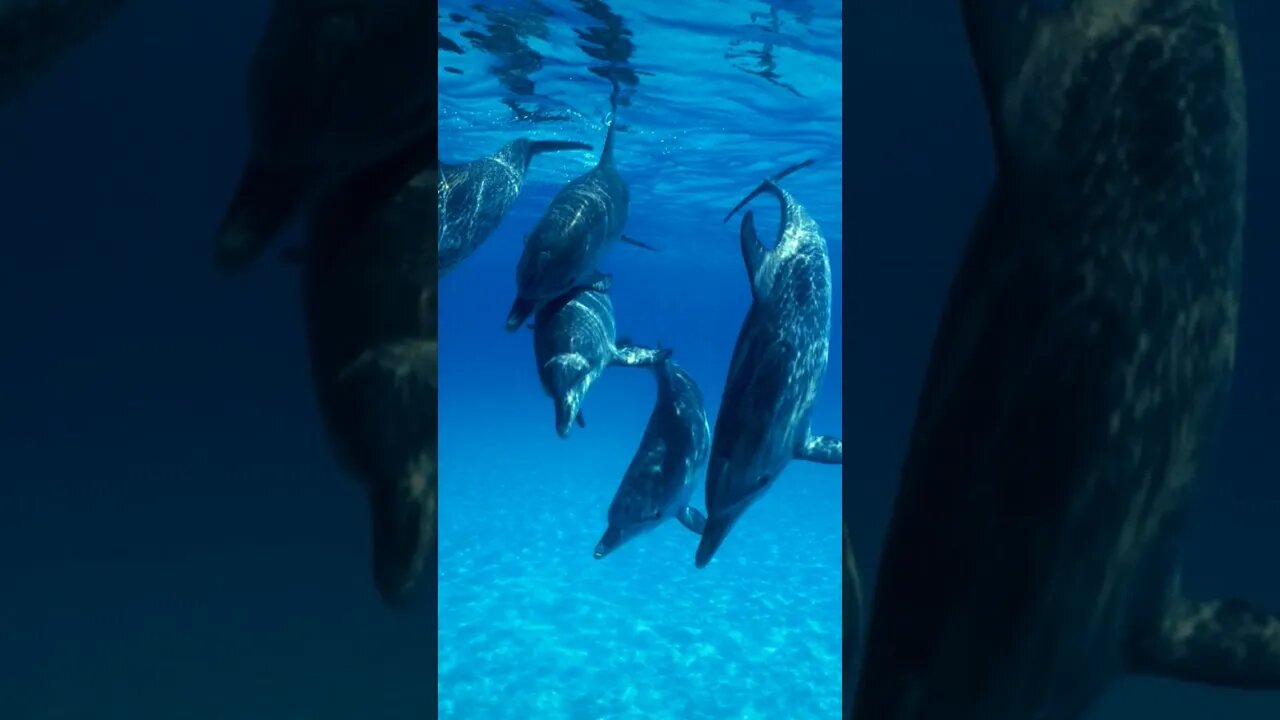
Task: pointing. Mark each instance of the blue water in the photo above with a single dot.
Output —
(531, 626)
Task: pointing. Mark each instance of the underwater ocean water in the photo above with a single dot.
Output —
(712, 98)
(176, 539)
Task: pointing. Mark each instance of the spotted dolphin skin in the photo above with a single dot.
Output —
(334, 87)
(475, 196)
(660, 480)
(574, 340)
(369, 295)
(776, 369)
(562, 251)
(1076, 380)
(34, 34)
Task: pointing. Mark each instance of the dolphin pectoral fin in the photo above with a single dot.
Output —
(692, 519)
(537, 147)
(581, 421)
(637, 356)
(753, 251)
(600, 282)
(822, 449)
(637, 243)
(1227, 643)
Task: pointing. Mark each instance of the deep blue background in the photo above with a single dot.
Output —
(175, 539)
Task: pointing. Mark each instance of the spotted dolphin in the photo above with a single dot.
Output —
(1077, 379)
(34, 34)
(574, 340)
(564, 248)
(475, 196)
(334, 87)
(776, 368)
(660, 480)
(369, 297)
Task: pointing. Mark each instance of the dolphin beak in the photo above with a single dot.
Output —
(521, 309)
(608, 542)
(717, 528)
(403, 537)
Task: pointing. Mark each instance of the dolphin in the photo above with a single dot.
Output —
(334, 87)
(369, 296)
(562, 251)
(574, 340)
(1077, 379)
(776, 368)
(663, 472)
(34, 34)
(475, 196)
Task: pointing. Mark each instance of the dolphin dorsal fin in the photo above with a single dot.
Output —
(753, 251)
(606, 155)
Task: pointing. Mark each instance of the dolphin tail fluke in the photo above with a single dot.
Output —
(692, 519)
(822, 449)
(538, 147)
(632, 355)
(1227, 643)
(265, 202)
(632, 241)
